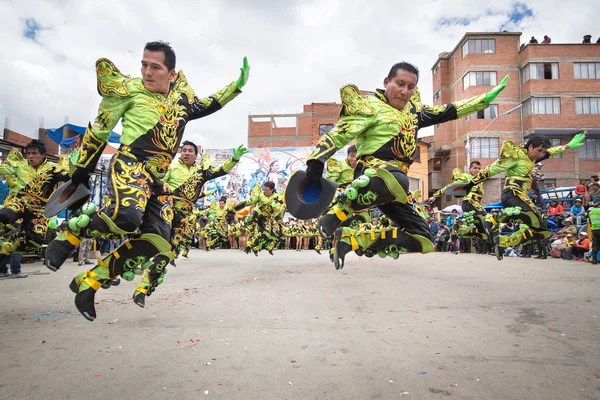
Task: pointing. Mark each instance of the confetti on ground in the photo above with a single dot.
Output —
(412, 311)
(422, 373)
(193, 343)
(96, 375)
(195, 370)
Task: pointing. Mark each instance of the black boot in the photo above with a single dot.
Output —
(84, 301)
(57, 253)
(594, 257)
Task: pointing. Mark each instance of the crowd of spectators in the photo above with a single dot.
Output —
(567, 218)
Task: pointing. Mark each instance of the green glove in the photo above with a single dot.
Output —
(241, 82)
(578, 140)
(492, 94)
(239, 152)
(212, 191)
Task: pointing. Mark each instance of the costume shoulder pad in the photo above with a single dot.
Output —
(416, 100)
(334, 165)
(456, 174)
(181, 85)
(14, 157)
(205, 162)
(63, 165)
(509, 150)
(256, 191)
(353, 102)
(110, 80)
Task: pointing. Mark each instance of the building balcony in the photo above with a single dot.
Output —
(436, 181)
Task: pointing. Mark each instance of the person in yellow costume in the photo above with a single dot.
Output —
(31, 181)
(385, 126)
(518, 163)
(154, 110)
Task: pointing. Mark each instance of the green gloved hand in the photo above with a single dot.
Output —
(241, 82)
(492, 94)
(239, 152)
(210, 192)
(578, 140)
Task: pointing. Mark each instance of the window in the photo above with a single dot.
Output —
(415, 184)
(556, 142)
(484, 148)
(587, 105)
(479, 46)
(591, 149)
(436, 67)
(437, 95)
(479, 79)
(541, 105)
(587, 70)
(489, 113)
(437, 164)
(539, 71)
(324, 128)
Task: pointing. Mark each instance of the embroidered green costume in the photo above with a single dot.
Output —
(386, 141)
(137, 198)
(30, 189)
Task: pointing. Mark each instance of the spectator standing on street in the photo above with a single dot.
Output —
(15, 266)
(84, 252)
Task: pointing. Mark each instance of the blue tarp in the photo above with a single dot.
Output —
(57, 134)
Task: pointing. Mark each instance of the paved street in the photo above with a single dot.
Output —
(226, 325)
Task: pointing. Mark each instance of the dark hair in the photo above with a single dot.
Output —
(223, 199)
(167, 50)
(188, 143)
(405, 66)
(537, 141)
(270, 185)
(474, 162)
(351, 149)
(36, 144)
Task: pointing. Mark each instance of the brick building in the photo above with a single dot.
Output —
(10, 139)
(558, 85)
(304, 129)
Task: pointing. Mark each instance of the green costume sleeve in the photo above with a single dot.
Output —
(509, 157)
(208, 105)
(552, 151)
(210, 172)
(355, 117)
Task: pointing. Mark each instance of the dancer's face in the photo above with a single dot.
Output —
(352, 159)
(188, 155)
(267, 191)
(34, 157)
(535, 153)
(155, 74)
(400, 88)
(475, 168)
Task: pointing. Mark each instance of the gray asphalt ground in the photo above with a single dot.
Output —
(226, 325)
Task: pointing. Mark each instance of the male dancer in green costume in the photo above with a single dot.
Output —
(471, 203)
(385, 126)
(31, 182)
(154, 110)
(518, 163)
(268, 207)
(185, 180)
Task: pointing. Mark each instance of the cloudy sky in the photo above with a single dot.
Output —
(299, 51)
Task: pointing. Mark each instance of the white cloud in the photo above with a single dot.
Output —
(300, 52)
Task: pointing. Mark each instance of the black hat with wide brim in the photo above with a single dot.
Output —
(69, 196)
(306, 198)
(456, 190)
